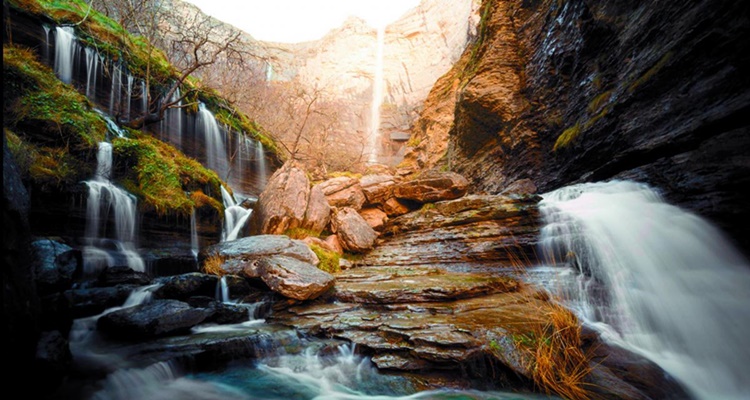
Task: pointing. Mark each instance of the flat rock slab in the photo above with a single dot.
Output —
(293, 278)
(422, 284)
(157, 318)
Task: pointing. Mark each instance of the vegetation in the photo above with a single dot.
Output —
(599, 101)
(329, 260)
(650, 72)
(165, 179)
(213, 265)
(300, 233)
(567, 136)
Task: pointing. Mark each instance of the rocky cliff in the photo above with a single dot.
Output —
(567, 91)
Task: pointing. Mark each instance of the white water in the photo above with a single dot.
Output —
(194, 245)
(235, 217)
(103, 198)
(172, 124)
(65, 51)
(377, 98)
(671, 287)
(216, 158)
(129, 94)
(222, 290)
(260, 159)
(46, 43)
(115, 92)
(92, 65)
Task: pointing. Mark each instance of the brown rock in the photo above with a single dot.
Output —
(326, 245)
(353, 231)
(288, 202)
(241, 256)
(431, 187)
(394, 207)
(293, 278)
(377, 188)
(374, 217)
(334, 244)
(521, 186)
(343, 192)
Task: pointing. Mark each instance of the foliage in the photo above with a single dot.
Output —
(567, 136)
(163, 177)
(329, 260)
(598, 101)
(213, 265)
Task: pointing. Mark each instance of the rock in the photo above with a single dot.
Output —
(394, 207)
(353, 231)
(432, 186)
(55, 265)
(377, 188)
(345, 264)
(149, 320)
(114, 276)
(374, 217)
(238, 287)
(53, 359)
(334, 244)
(293, 278)
(521, 186)
(168, 261)
(223, 313)
(343, 191)
(180, 287)
(88, 302)
(288, 202)
(241, 256)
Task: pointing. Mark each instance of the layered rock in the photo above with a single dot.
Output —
(432, 186)
(575, 91)
(343, 192)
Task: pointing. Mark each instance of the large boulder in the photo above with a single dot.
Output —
(343, 191)
(293, 278)
(55, 265)
(157, 318)
(288, 202)
(432, 186)
(374, 217)
(353, 231)
(377, 188)
(181, 287)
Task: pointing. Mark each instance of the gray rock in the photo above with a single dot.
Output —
(180, 287)
(293, 278)
(241, 255)
(88, 302)
(353, 231)
(157, 318)
(55, 265)
(114, 276)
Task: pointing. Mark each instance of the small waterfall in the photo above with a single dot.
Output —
(144, 97)
(657, 280)
(222, 290)
(92, 67)
(194, 245)
(65, 52)
(105, 197)
(173, 120)
(235, 217)
(377, 98)
(115, 93)
(216, 157)
(260, 159)
(129, 94)
(113, 129)
(46, 43)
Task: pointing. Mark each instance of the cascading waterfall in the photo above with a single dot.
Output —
(194, 245)
(222, 290)
(115, 92)
(216, 157)
(172, 124)
(377, 98)
(657, 280)
(105, 197)
(235, 217)
(260, 159)
(129, 93)
(65, 52)
(46, 43)
(92, 66)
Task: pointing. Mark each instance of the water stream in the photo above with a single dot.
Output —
(66, 46)
(654, 279)
(235, 217)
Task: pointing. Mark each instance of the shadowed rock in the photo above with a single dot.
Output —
(180, 287)
(157, 318)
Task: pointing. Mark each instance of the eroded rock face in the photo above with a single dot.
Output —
(432, 186)
(377, 188)
(353, 231)
(288, 202)
(157, 318)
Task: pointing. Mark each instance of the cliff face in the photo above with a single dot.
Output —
(568, 91)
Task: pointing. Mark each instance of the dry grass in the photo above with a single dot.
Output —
(212, 265)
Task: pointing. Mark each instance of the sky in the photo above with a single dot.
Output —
(293, 21)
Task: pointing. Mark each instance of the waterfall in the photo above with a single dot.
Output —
(222, 290)
(657, 280)
(104, 197)
(377, 98)
(260, 159)
(112, 128)
(194, 245)
(173, 120)
(144, 97)
(129, 96)
(115, 93)
(214, 138)
(65, 51)
(46, 43)
(235, 217)
(92, 65)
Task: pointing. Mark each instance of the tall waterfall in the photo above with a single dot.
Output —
(235, 217)
(116, 248)
(65, 52)
(377, 98)
(92, 66)
(657, 280)
(216, 157)
(260, 159)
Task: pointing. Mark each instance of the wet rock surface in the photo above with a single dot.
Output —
(293, 278)
(157, 318)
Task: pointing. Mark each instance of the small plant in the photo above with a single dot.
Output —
(213, 265)
(567, 136)
(300, 233)
(329, 260)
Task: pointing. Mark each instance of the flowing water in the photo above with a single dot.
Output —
(216, 157)
(194, 244)
(377, 98)
(654, 279)
(105, 248)
(235, 217)
(65, 52)
(260, 160)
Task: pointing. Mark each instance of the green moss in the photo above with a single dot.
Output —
(163, 178)
(329, 260)
(567, 136)
(650, 72)
(39, 107)
(599, 101)
(348, 174)
(300, 233)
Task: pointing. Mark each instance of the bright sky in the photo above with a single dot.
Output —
(300, 20)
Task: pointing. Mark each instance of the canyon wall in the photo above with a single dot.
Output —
(571, 91)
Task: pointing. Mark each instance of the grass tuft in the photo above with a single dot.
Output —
(213, 265)
(329, 260)
(567, 136)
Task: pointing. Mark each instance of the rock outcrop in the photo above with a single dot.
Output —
(354, 233)
(157, 318)
(343, 192)
(562, 92)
